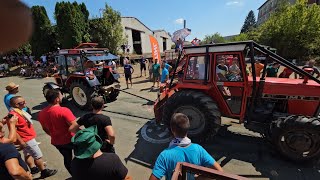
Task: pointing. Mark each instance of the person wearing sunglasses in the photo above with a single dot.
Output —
(26, 138)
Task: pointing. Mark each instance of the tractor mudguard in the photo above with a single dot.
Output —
(53, 85)
(93, 82)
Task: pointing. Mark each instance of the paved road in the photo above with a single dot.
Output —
(139, 140)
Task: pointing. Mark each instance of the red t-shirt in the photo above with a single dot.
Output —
(55, 119)
(24, 128)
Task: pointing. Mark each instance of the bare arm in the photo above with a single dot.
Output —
(74, 126)
(16, 171)
(152, 177)
(111, 135)
(217, 167)
(12, 137)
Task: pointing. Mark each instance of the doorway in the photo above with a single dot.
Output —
(136, 38)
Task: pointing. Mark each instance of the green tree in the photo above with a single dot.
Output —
(107, 31)
(72, 23)
(41, 41)
(293, 31)
(249, 23)
(215, 38)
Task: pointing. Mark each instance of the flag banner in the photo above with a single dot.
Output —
(155, 48)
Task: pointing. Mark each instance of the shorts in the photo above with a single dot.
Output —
(128, 77)
(33, 149)
(143, 67)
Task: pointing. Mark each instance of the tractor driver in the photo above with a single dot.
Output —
(88, 69)
(222, 70)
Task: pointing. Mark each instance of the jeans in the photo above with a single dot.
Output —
(66, 151)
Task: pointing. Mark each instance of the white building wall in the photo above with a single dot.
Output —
(131, 23)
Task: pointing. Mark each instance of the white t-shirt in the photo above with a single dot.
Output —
(44, 59)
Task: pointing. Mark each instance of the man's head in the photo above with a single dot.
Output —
(156, 61)
(163, 64)
(54, 96)
(97, 103)
(179, 125)
(18, 102)
(12, 88)
(276, 65)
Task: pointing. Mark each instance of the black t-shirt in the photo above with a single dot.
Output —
(100, 120)
(106, 166)
(8, 151)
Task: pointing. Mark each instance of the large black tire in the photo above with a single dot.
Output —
(297, 137)
(202, 111)
(113, 95)
(82, 98)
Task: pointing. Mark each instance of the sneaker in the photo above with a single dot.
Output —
(34, 170)
(48, 172)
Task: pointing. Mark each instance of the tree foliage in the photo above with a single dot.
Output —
(249, 23)
(107, 31)
(293, 31)
(72, 23)
(42, 39)
(215, 38)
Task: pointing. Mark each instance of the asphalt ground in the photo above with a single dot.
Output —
(139, 141)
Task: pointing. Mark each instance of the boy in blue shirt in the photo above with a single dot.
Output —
(128, 73)
(165, 73)
(181, 150)
(12, 89)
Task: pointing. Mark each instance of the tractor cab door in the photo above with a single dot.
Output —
(62, 70)
(230, 79)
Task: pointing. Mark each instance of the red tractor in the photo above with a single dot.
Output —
(85, 73)
(215, 82)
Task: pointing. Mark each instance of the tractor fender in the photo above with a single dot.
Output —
(53, 85)
(92, 82)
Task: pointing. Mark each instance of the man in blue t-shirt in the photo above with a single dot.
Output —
(164, 74)
(167, 66)
(12, 89)
(128, 73)
(181, 150)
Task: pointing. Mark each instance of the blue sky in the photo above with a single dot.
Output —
(203, 16)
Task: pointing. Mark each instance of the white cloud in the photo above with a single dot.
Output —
(234, 3)
(179, 21)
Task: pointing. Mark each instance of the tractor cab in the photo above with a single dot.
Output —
(246, 81)
(85, 72)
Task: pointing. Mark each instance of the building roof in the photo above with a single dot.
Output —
(263, 4)
(128, 17)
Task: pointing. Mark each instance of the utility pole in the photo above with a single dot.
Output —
(184, 23)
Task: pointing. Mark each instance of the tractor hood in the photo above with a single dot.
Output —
(288, 87)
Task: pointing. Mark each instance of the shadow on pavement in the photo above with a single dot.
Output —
(234, 150)
(136, 96)
(142, 81)
(76, 111)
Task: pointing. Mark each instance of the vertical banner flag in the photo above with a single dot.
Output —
(155, 48)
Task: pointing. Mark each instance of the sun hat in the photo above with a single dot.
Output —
(11, 86)
(86, 142)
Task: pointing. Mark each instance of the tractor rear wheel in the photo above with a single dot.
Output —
(202, 111)
(82, 94)
(297, 137)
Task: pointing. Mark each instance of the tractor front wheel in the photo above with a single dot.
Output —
(203, 113)
(81, 95)
(297, 137)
